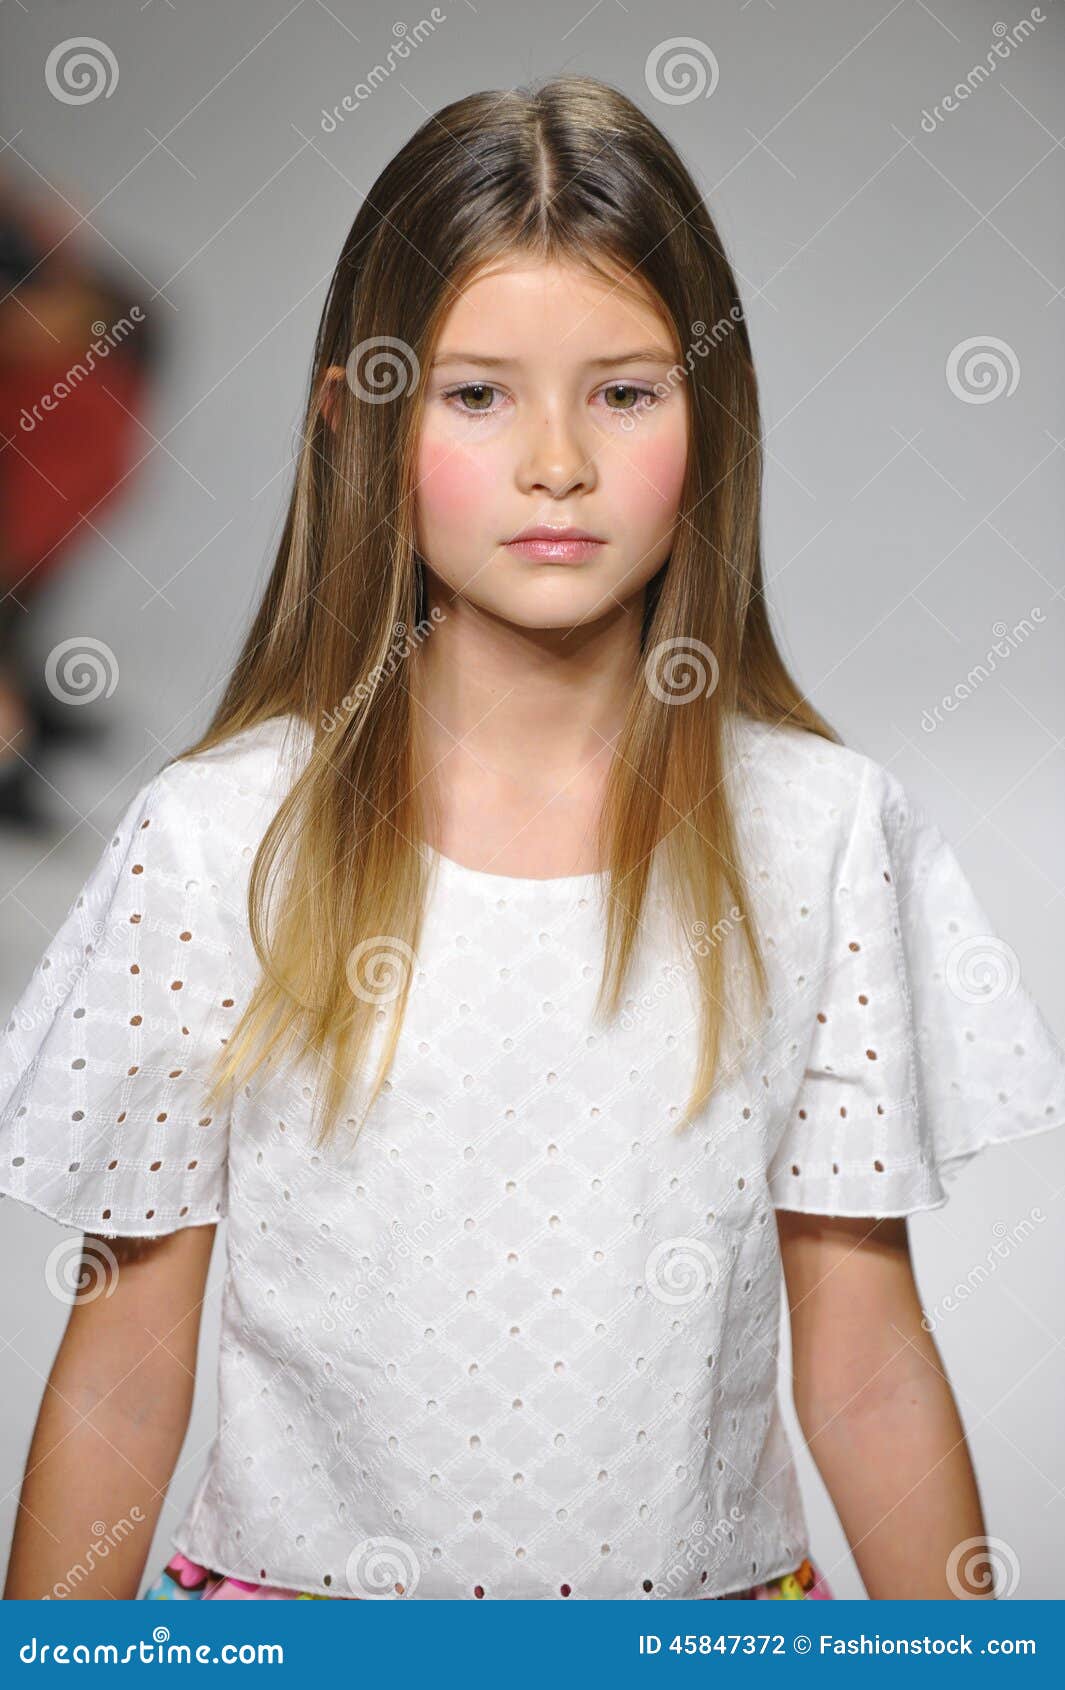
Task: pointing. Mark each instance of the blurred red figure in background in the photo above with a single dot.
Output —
(79, 347)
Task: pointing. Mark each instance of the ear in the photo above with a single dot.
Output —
(328, 396)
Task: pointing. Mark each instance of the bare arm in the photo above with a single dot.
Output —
(112, 1420)
(876, 1407)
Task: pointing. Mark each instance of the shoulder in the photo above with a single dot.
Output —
(198, 822)
(780, 763)
(804, 786)
(250, 771)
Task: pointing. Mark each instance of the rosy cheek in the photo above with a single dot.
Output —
(452, 486)
(657, 477)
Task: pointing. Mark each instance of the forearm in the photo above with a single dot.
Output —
(894, 1458)
(100, 1461)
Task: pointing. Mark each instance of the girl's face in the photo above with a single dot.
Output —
(538, 410)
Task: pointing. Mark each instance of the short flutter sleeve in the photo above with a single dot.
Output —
(103, 1060)
(926, 1046)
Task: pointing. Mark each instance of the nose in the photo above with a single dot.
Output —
(556, 458)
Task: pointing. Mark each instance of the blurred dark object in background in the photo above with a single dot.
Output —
(80, 352)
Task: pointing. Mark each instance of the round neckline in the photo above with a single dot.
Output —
(567, 883)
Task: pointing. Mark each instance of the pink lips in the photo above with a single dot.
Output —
(555, 545)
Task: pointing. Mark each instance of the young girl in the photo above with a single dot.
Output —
(524, 969)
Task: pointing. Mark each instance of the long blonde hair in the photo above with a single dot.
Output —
(570, 172)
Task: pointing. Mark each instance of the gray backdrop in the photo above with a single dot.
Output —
(913, 506)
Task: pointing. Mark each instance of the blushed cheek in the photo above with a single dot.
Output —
(654, 484)
(453, 488)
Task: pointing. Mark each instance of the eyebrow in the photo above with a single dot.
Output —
(636, 355)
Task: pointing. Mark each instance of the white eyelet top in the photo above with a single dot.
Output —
(519, 1337)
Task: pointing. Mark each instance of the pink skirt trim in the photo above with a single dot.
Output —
(182, 1580)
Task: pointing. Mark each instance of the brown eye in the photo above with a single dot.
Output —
(479, 390)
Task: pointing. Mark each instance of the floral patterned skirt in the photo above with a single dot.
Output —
(182, 1580)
